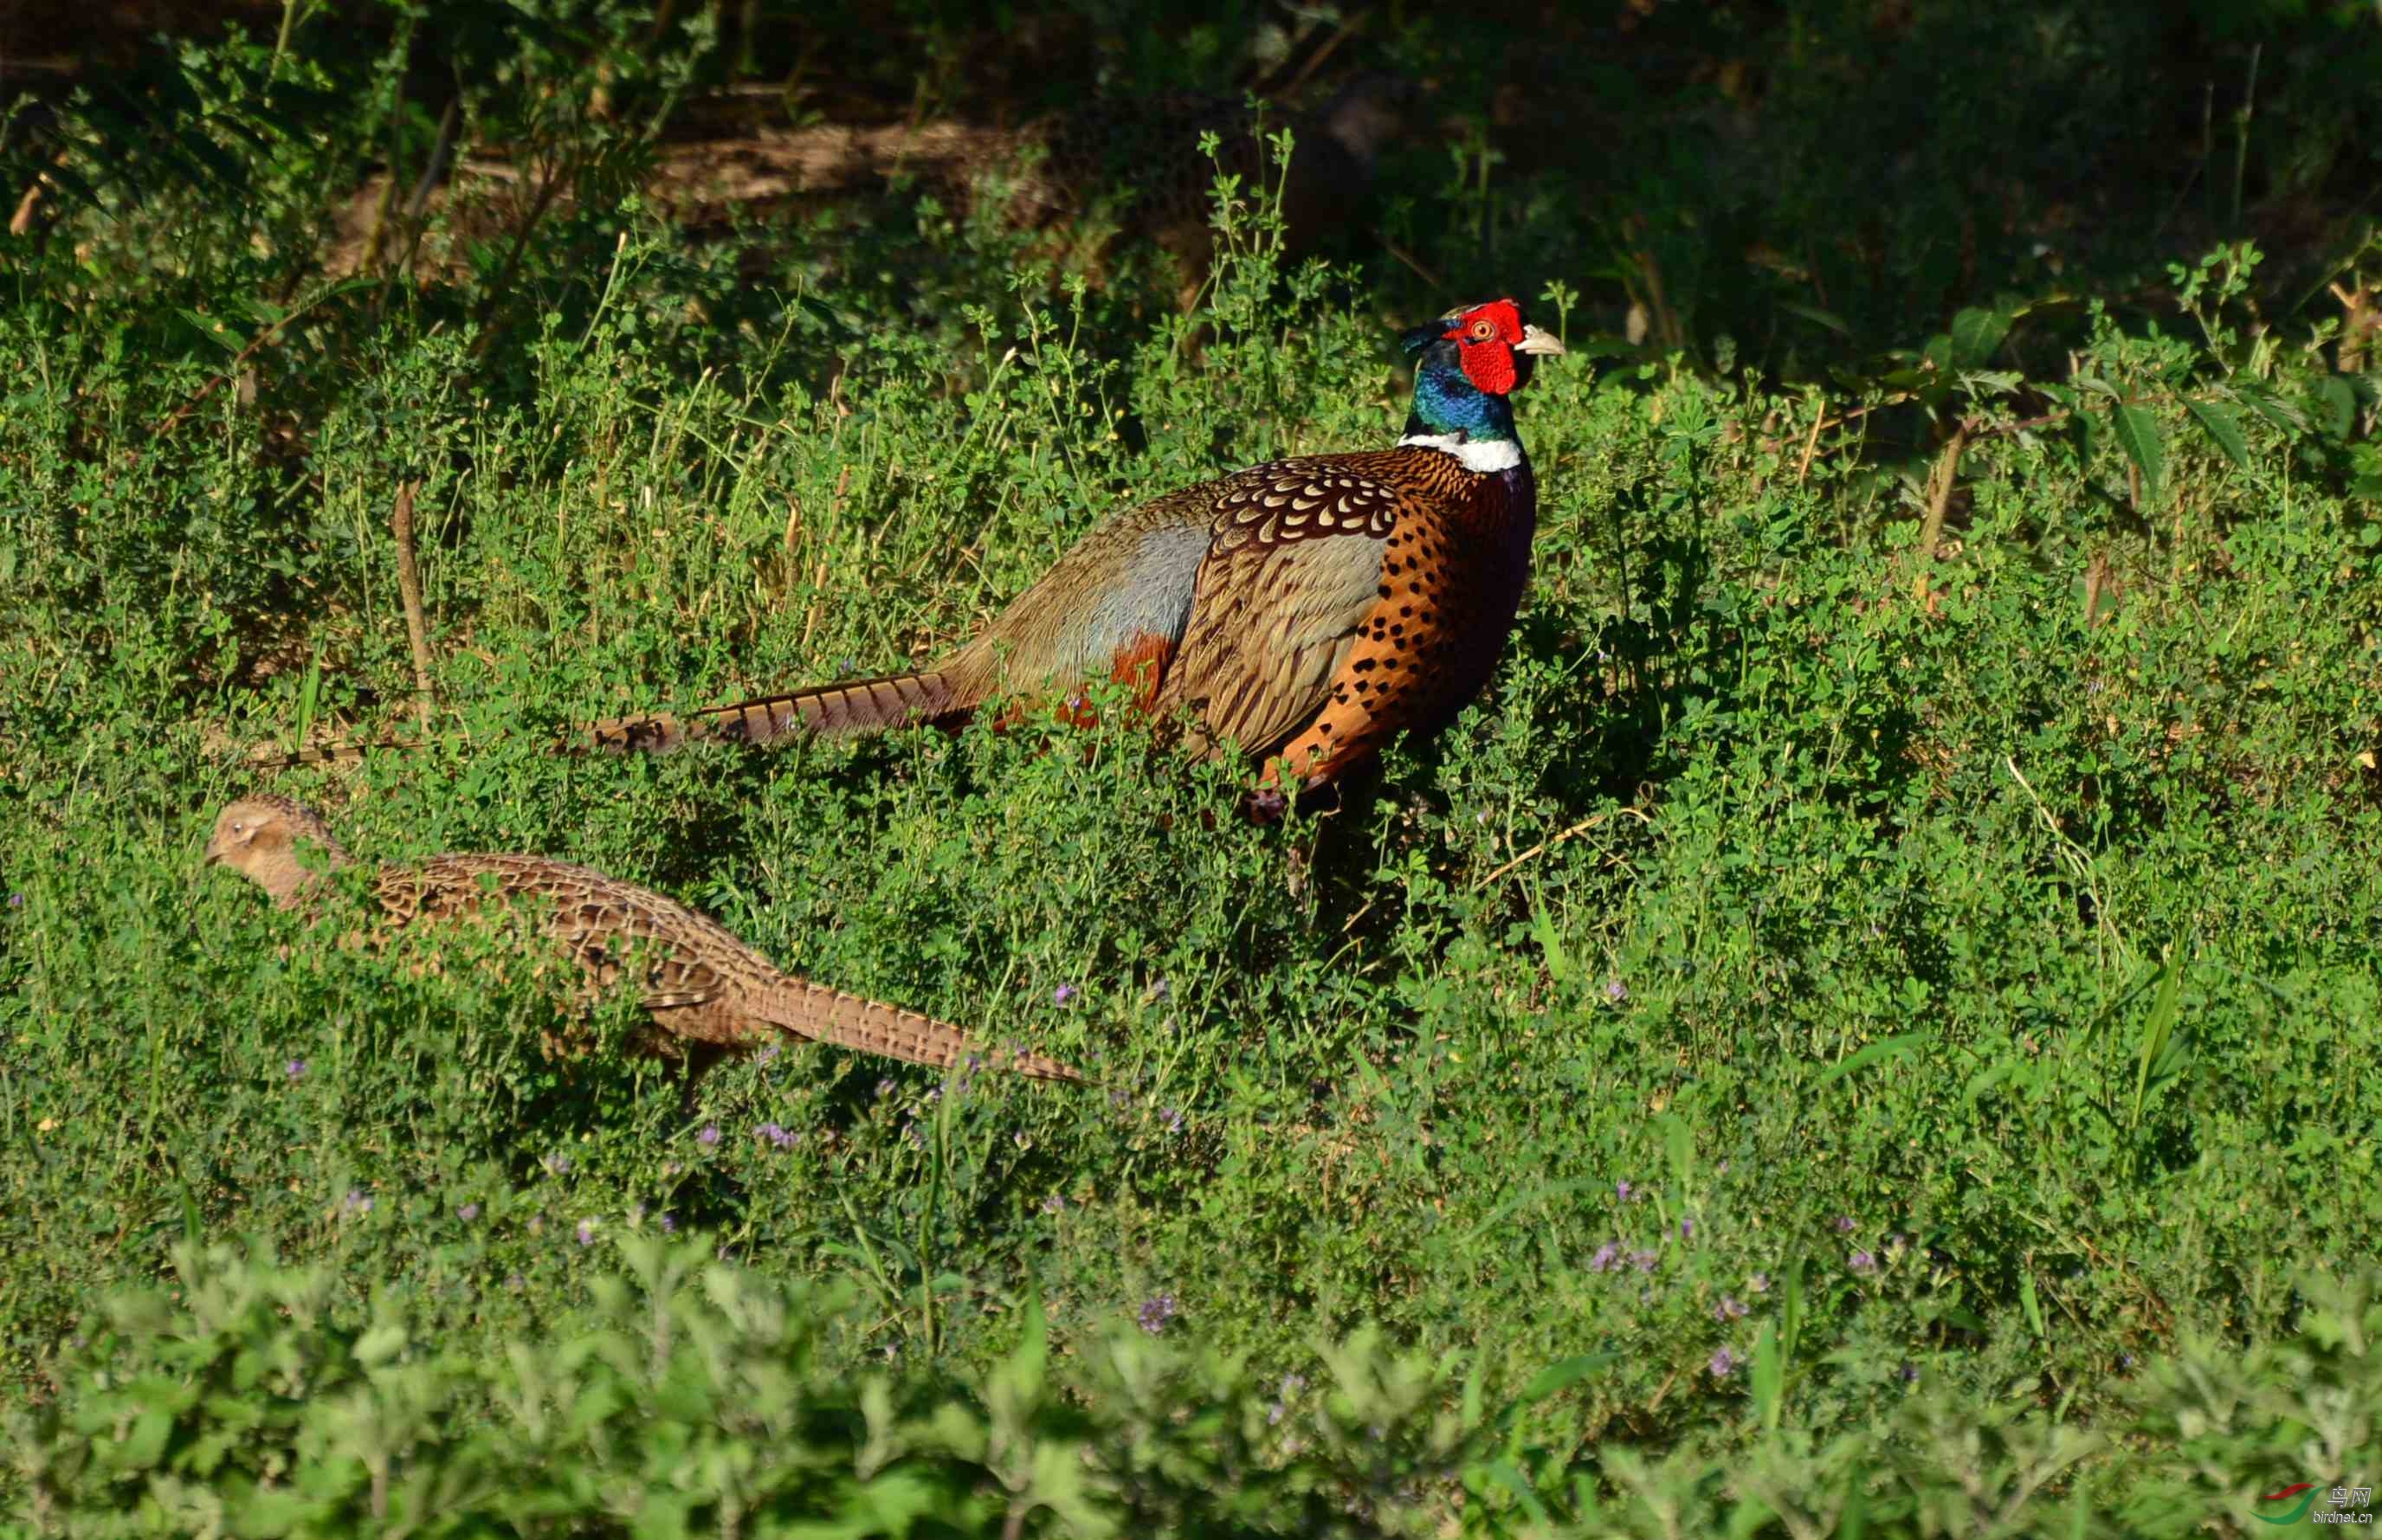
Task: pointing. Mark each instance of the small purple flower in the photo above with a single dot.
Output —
(1062, 994)
(1687, 1229)
(1759, 1283)
(1172, 1117)
(587, 1232)
(468, 1213)
(1644, 1261)
(1908, 1374)
(1615, 991)
(709, 1136)
(1291, 1387)
(779, 1135)
(934, 1094)
(884, 1089)
(1844, 1224)
(1155, 1311)
(1724, 1363)
(515, 1281)
(1274, 1413)
(766, 1055)
(1161, 990)
(295, 1069)
(1729, 1309)
(1863, 1262)
(917, 1140)
(359, 1201)
(669, 1224)
(1020, 1140)
(1622, 1190)
(1054, 1205)
(1606, 1256)
(557, 1163)
(16, 900)
(1268, 803)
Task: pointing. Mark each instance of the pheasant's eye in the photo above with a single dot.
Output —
(1482, 331)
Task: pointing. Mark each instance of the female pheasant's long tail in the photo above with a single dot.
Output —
(825, 1015)
(349, 752)
(848, 708)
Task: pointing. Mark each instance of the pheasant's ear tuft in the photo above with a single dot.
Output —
(1415, 339)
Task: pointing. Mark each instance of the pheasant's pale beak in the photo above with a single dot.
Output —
(1539, 344)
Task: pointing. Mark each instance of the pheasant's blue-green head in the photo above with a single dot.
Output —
(1467, 363)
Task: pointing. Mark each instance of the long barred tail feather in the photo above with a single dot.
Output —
(850, 706)
(825, 1015)
(831, 710)
(325, 753)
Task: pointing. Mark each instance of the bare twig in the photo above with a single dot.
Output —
(1811, 444)
(2079, 864)
(1413, 265)
(2096, 584)
(442, 152)
(548, 192)
(1315, 60)
(30, 206)
(1939, 493)
(1544, 846)
(409, 588)
(22, 220)
(256, 345)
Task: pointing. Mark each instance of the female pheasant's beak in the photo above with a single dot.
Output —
(1539, 344)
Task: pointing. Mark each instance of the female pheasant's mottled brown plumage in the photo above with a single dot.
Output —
(707, 991)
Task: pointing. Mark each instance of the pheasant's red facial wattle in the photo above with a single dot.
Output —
(1485, 338)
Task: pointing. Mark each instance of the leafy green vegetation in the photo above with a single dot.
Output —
(1863, 1030)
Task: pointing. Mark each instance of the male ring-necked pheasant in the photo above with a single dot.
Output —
(708, 993)
(1306, 609)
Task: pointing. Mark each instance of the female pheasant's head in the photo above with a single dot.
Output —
(259, 838)
(1468, 362)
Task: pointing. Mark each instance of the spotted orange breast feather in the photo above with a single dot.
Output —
(1345, 599)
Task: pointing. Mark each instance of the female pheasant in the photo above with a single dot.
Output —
(1305, 610)
(707, 992)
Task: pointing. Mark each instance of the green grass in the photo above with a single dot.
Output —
(1956, 1008)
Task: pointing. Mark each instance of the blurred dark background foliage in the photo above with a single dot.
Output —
(1796, 187)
